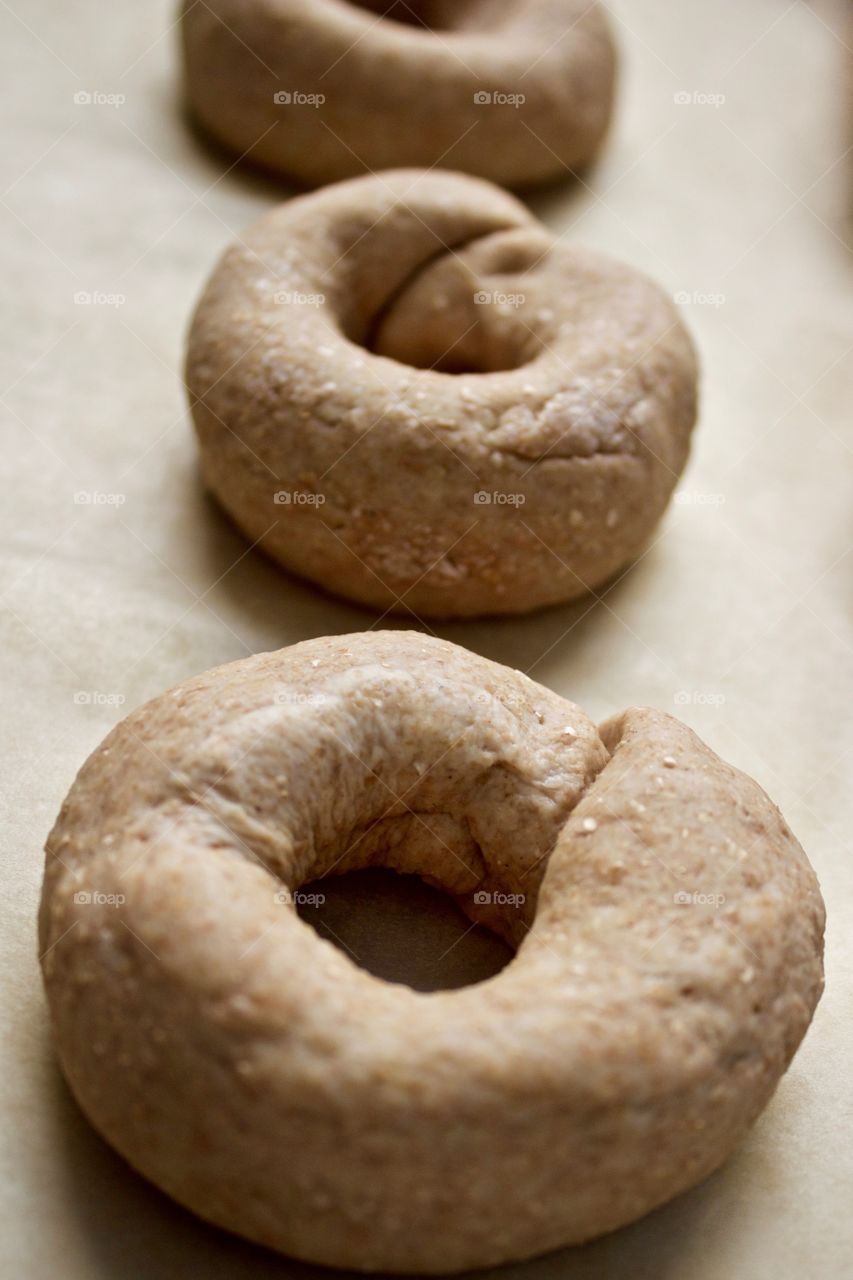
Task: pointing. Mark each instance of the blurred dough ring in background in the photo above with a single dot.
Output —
(668, 966)
(407, 390)
(517, 91)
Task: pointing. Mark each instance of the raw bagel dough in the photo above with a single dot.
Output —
(669, 956)
(518, 91)
(338, 427)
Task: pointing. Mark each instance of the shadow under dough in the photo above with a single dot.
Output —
(256, 179)
(282, 609)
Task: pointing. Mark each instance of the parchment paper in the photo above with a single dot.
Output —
(725, 177)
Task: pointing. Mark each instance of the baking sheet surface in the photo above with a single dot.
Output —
(726, 178)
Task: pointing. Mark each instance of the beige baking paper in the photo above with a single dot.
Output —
(726, 178)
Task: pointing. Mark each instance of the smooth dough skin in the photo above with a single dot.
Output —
(519, 91)
(407, 390)
(668, 956)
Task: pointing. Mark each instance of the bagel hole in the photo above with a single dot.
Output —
(401, 929)
(428, 15)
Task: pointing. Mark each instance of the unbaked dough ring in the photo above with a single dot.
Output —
(669, 956)
(408, 391)
(518, 91)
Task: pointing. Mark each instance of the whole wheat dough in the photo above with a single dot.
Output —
(407, 390)
(668, 925)
(518, 91)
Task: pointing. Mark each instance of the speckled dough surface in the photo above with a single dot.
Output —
(668, 924)
(517, 91)
(406, 389)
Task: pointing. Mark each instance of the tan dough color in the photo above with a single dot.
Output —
(518, 91)
(407, 390)
(662, 981)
